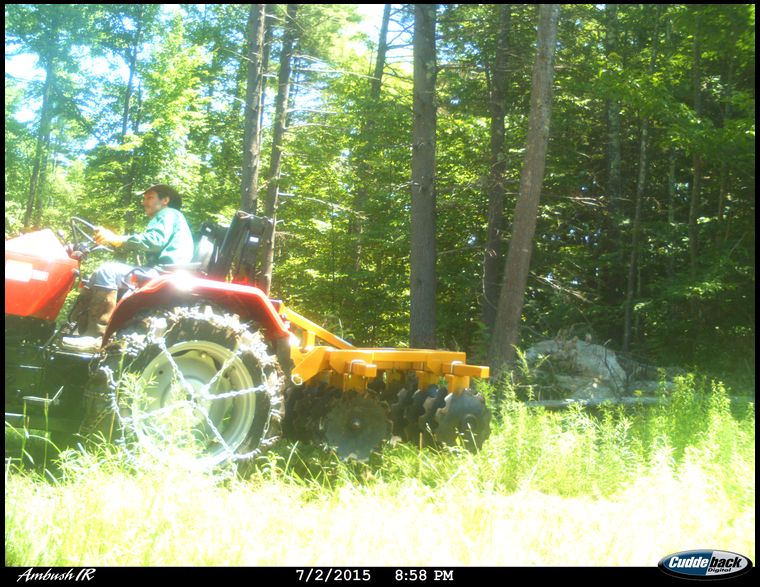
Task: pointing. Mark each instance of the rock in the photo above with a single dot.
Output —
(586, 387)
(578, 369)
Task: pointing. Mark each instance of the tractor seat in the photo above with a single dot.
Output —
(202, 255)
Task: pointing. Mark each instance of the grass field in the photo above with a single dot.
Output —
(610, 489)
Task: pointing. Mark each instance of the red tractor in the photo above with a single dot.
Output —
(197, 359)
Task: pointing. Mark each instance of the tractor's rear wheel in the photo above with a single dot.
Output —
(188, 380)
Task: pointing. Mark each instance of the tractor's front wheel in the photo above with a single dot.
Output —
(187, 381)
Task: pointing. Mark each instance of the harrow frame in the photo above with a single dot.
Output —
(351, 368)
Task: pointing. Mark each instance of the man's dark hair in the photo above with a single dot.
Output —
(164, 191)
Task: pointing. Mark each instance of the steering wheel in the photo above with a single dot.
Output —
(80, 228)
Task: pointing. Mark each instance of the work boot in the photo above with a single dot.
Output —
(101, 306)
(79, 312)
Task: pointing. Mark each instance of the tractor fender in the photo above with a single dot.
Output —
(176, 289)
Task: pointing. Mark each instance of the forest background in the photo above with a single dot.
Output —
(645, 231)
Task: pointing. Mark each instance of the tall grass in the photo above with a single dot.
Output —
(564, 488)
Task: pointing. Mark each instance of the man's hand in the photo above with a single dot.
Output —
(103, 236)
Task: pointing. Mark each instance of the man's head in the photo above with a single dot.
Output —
(158, 197)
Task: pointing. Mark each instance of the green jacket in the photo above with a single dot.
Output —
(166, 240)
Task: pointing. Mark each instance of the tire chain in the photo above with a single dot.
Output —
(102, 398)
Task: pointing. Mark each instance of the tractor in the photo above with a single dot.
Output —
(199, 358)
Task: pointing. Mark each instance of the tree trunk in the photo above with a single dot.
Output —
(672, 234)
(268, 34)
(134, 163)
(254, 91)
(635, 236)
(365, 134)
(610, 273)
(506, 332)
(725, 170)
(615, 188)
(640, 190)
(275, 164)
(671, 269)
(696, 185)
(493, 259)
(41, 149)
(129, 179)
(382, 49)
(423, 254)
(132, 60)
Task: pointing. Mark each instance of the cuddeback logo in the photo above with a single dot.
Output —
(705, 564)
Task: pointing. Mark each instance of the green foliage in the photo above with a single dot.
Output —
(614, 477)
(184, 125)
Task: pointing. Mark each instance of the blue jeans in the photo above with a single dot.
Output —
(112, 275)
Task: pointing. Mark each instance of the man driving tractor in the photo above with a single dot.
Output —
(167, 240)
